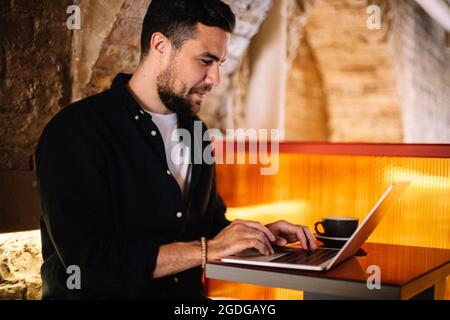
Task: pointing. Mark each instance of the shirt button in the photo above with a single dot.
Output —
(153, 133)
(179, 215)
(175, 279)
(136, 118)
(141, 111)
(168, 172)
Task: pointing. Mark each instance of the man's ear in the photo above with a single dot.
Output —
(159, 43)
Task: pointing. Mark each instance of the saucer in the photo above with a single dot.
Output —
(332, 242)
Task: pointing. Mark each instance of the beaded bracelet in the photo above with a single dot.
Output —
(204, 252)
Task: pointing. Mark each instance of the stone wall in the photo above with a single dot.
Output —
(225, 107)
(342, 84)
(350, 74)
(34, 74)
(97, 20)
(388, 85)
(422, 57)
(35, 82)
(20, 263)
(357, 72)
(109, 43)
(120, 50)
(306, 102)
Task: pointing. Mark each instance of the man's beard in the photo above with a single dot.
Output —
(176, 103)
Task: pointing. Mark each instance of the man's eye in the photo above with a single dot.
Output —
(206, 62)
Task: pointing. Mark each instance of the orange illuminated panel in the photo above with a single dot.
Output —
(310, 186)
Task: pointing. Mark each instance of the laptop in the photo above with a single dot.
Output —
(323, 259)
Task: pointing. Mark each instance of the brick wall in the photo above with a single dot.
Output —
(34, 74)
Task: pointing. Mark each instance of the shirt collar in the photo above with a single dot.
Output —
(119, 87)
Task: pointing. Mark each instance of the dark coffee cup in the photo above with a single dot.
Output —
(337, 227)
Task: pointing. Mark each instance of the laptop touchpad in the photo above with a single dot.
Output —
(254, 255)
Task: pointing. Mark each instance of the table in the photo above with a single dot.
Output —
(406, 272)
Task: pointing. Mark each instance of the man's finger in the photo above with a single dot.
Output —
(301, 237)
(258, 245)
(259, 226)
(311, 238)
(261, 237)
(268, 244)
(281, 241)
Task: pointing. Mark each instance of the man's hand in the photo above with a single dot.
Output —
(286, 232)
(238, 236)
(242, 234)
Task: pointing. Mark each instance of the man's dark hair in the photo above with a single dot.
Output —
(177, 20)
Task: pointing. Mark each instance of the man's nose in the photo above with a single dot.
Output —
(213, 76)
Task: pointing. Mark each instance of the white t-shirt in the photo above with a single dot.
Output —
(177, 154)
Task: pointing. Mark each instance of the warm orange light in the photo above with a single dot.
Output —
(267, 213)
(421, 180)
(308, 187)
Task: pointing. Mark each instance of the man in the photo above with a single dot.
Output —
(114, 202)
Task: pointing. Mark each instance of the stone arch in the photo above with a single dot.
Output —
(357, 71)
(110, 43)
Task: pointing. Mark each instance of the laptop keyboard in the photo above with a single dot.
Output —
(305, 257)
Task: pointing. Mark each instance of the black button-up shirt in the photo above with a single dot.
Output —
(109, 202)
